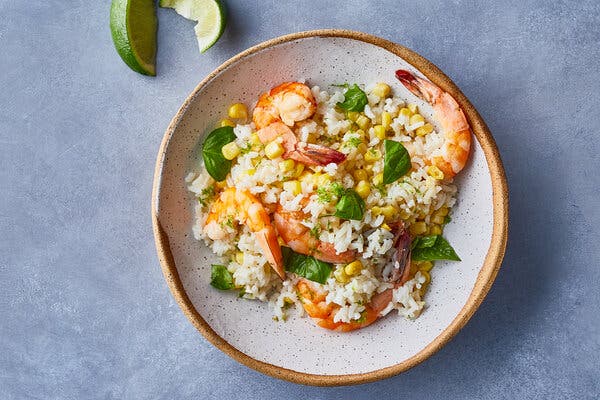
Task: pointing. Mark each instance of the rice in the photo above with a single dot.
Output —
(416, 196)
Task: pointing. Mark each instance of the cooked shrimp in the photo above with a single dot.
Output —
(457, 132)
(299, 238)
(288, 102)
(313, 296)
(306, 153)
(243, 207)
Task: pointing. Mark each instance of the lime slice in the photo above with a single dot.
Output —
(210, 15)
(133, 28)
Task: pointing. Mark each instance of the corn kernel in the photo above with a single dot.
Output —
(239, 257)
(426, 275)
(415, 119)
(372, 155)
(404, 214)
(352, 115)
(363, 189)
(363, 122)
(360, 175)
(369, 168)
(418, 228)
(375, 211)
(388, 211)
(226, 122)
(362, 148)
(250, 171)
(386, 227)
(424, 130)
(405, 112)
(306, 177)
(340, 275)
(442, 211)
(437, 219)
(230, 150)
(425, 266)
(274, 150)
(381, 90)
(386, 119)
(255, 140)
(237, 111)
(435, 230)
(322, 179)
(378, 179)
(412, 108)
(379, 131)
(353, 268)
(287, 165)
(298, 170)
(435, 172)
(292, 187)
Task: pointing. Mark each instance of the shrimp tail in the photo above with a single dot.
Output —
(401, 259)
(267, 239)
(314, 154)
(417, 86)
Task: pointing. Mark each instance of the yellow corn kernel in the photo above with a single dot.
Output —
(340, 275)
(388, 211)
(415, 119)
(412, 108)
(287, 165)
(226, 122)
(362, 148)
(442, 211)
(381, 90)
(404, 215)
(360, 175)
(435, 172)
(378, 179)
(375, 211)
(298, 170)
(386, 227)
(424, 130)
(239, 257)
(353, 268)
(363, 188)
(237, 111)
(306, 177)
(255, 140)
(251, 171)
(292, 187)
(322, 179)
(379, 131)
(418, 228)
(230, 150)
(363, 122)
(426, 275)
(352, 115)
(405, 112)
(372, 155)
(435, 230)
(386, 119)
(425, 266)
(369, 168)
(437, 219)
(360, 133)
(274, 150)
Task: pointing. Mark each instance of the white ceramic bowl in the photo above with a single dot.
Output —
(297, 350)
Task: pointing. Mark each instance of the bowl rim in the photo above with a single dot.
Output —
(485, 278)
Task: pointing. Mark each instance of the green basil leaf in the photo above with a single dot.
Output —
(350, 206)
(432, 247)
(305, 266)
(217, 166)
(221, 278)
(396, 161)
(354, 99)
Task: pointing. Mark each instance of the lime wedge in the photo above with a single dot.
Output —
(210, 15)
(133, 27)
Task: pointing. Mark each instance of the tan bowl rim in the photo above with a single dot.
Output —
(486, 275)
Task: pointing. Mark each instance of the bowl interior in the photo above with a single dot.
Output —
(247, 325)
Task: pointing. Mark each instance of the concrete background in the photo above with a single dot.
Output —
(84, 310)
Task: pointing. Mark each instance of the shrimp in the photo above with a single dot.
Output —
(300, 239)
(279, 110)
(243, 207)
(457, 132)
(313, 296)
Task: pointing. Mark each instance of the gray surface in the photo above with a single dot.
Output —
(85, 311)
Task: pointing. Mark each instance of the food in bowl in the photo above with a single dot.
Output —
(331, 202)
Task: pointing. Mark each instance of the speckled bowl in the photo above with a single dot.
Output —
(297, 350)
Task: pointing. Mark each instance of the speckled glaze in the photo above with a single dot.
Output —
(297, 350)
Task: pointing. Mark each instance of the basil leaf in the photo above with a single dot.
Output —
(350, 206)
(217, 166)
(432, 247)
(221, 278)
(354, 99)
(305, 266)
(396, 161)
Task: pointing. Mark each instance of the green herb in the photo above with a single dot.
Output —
(354, 141)
(354, 99)
(246, 149)
(337, 189)
(228, 221)
(306, 266)
(350, 206)
(206, 195)
(217, 166)
(432, 247)
(447, 219)
(396, 161)
(220, 278)
(315, 231)
(242, 291)
(323, 195)
(363, 317)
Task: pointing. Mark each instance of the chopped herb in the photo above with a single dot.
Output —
(354, 141)
(337, 189)
(447, 219)
(350, 206)
(220, 277)
(206, 195)
(306, 266)
(354, 99)
(246, 149)
(323, 195)
(315, 231)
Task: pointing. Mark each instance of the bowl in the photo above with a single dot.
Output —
(297, 350)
